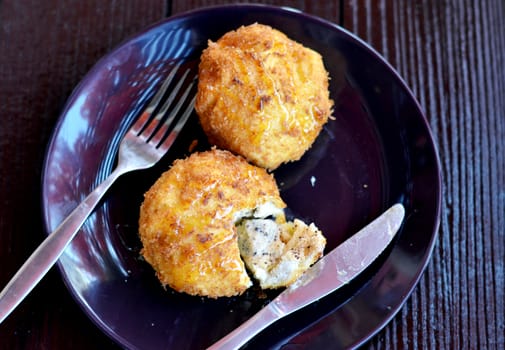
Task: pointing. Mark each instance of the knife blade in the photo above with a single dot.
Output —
(331, 272)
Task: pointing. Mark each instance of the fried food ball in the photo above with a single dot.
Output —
(262, 95)
(207, 213)
(187, 221)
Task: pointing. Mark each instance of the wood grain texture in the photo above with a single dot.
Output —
(325, 9)
(451, 55)
(45, 49)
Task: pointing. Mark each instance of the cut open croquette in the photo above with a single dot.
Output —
(205, 217)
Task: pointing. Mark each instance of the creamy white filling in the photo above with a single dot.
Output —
(265, 210)
(275, 253)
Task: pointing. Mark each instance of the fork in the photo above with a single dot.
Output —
(143, 145)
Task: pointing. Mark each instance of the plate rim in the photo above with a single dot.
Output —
(283, 10)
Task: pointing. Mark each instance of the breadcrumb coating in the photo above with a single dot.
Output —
(188, 217)
(262, 95)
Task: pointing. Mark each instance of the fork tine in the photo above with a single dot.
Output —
(156, 123)
(144, 118)
(162, 131)
(167, 143)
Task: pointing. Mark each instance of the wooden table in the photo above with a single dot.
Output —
(451, 53)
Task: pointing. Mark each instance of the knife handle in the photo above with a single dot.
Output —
(241, 335)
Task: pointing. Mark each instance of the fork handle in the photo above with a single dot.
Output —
(48, 252)
(241, 335)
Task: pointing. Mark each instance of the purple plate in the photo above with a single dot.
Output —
(376, 152)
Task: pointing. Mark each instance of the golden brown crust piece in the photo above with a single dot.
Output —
(262, 95)
(187, 222)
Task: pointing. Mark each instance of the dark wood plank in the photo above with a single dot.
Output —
(325, 9)
(45, 49)
(451, 54)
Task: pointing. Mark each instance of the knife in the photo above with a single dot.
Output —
(333, 271)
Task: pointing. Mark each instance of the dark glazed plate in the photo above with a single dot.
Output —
(376, 152)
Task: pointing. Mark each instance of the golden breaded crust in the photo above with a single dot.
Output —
(187, 222)
(262, 95)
